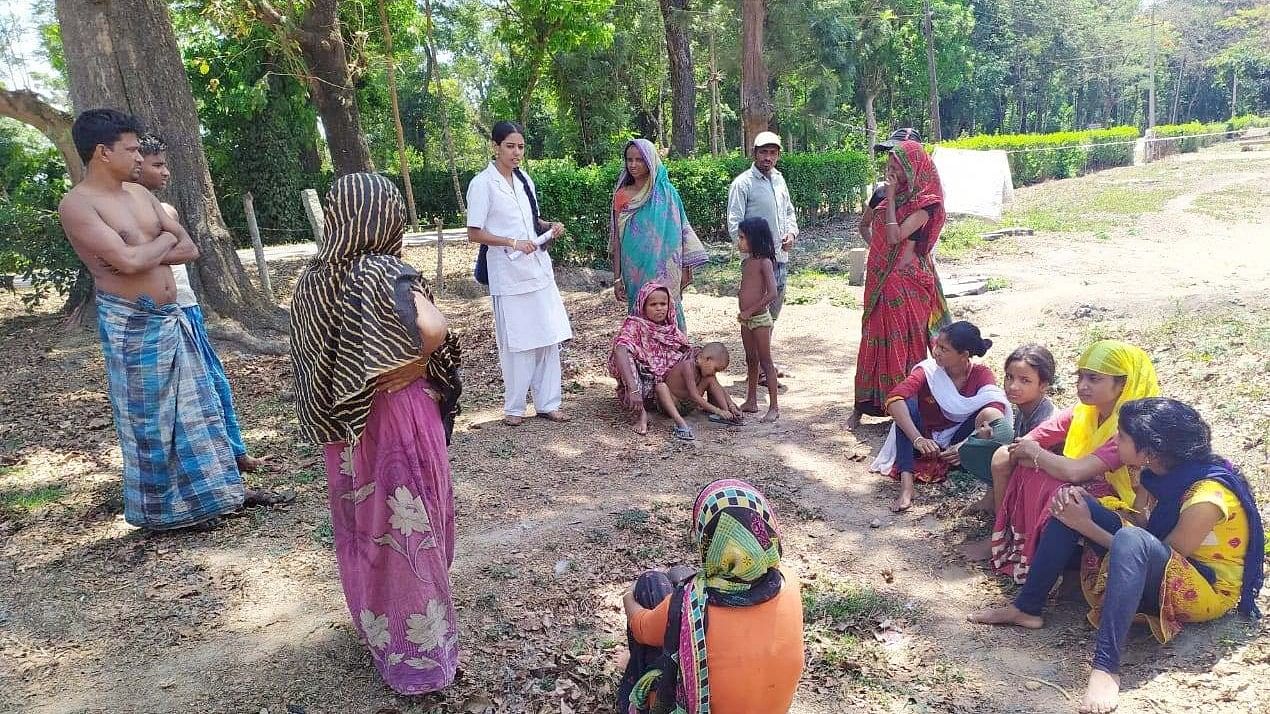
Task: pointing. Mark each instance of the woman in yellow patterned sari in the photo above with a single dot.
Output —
(1197, 555)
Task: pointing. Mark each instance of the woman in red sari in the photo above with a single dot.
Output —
(904, 306)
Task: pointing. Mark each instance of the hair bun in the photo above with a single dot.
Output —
(986, 345)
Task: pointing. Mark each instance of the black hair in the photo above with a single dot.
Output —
(1169, 430)
(501, 131)
(1037, 357)
(96, 127)
(965, 337)
(504, 129)
(759, 235)
(879, 194)
(152, 144)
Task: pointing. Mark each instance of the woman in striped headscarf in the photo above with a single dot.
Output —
(376, 374)
(727, 639)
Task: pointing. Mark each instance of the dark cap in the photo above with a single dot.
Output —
(897, 136)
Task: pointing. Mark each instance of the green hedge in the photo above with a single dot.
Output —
(821, 186)
(1064, 154)
(1192, 136)
(1248, 121)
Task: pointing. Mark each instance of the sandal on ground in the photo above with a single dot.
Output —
(557, 416)
(513, 420)
(683, 432)
(717, 419)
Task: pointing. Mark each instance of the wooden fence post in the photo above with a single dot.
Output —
(440, 247)
(249, 207)
(313, 209)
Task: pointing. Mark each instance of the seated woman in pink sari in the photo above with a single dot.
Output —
(1109, 374)
(376, 375)
(646, 347)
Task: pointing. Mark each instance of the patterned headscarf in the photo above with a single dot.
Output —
(657, 347)
(1085, 435)
(739, 542)
(353, 315)
(918, 188)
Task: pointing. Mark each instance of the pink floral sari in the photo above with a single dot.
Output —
(392, 512)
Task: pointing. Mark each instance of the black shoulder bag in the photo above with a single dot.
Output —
(481, 271)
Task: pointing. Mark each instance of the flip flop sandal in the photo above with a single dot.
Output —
(684, 433)
(562, 419)
(716, 419)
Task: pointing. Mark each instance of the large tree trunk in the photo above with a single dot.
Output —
(870, 120)
(683, 85)
(123, 54)
(756, 105)
(330, 82)
(29, 108)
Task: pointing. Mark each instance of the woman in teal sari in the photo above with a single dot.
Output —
(650, 238)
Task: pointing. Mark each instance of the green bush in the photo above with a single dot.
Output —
(1040, 157)
(32, 245)
(821, 185)
(1191, 136)
(1248, 121)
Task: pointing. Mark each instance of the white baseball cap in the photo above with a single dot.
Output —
(766, 138)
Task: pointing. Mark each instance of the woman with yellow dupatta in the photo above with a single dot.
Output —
(1109, 374)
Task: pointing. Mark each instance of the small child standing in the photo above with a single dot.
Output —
(694, 382)
(758, 290)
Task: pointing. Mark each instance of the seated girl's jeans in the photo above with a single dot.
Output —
(1135, 570)
(904, 452)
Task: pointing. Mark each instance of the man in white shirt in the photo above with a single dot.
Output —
(760, 191)
(154, 176)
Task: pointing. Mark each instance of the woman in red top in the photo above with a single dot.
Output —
(941, 403)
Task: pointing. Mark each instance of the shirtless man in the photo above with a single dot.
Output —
(179, 470)
(154, 176)
(694, 381)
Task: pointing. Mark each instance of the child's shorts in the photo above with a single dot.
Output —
(763, 319)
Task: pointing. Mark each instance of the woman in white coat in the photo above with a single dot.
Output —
(529, 317)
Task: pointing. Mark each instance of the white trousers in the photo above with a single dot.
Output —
(537, 369)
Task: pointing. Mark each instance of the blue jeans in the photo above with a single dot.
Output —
(1135, 569)
(904, 452)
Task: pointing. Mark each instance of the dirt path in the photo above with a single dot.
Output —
(554, 521)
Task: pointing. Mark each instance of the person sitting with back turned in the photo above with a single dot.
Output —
(178, 469)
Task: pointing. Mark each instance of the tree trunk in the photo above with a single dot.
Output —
(330, 82)
(445, 119)
(123, 54)
(411, 215)
(535, 73)
(716, 112)
(929, 32)
(756, 105)
(1177, 90)
(683, 84)
(870, 120)
(29, 108)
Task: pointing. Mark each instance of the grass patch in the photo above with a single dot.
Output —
(811, 286)
(995, 283)
(839, 604)
(1129, 201)
(30, 499)
(324, 534)
(632, 519)
(1240, 202)
(308, 475)
(503, 449)
(720, 276)
(961, 237)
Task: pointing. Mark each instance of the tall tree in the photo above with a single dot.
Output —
(123, 54)
(321, 41)
(535, 30)
(756, 103)
(683, 85)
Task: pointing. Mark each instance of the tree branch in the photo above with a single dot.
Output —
(30, 108)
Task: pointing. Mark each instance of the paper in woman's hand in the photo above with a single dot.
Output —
(539, 240)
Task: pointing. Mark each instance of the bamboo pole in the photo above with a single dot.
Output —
(249, 208)
(396, 120)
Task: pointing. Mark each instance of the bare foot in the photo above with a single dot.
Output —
(641, 423)
(772, 415)
(1102, 695)
(1008, 615)
(557, 416)
(750, 407)
(983, 505)
(513, 420)
(251, 464)
(977, 550)
(258, 497)
(904, 501)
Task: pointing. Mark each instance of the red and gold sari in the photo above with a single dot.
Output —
(904, 305)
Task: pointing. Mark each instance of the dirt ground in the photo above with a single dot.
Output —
(556, 520)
